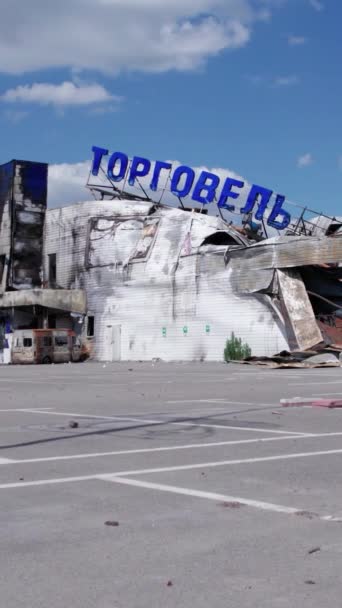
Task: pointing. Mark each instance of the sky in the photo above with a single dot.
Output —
(247, 87)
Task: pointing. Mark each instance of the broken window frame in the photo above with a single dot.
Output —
(52, 265)
(145, 258)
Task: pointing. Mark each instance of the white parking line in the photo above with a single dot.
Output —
(171, 448)
(170, 422)
(30, 409)
(202, 465)
(266, 506)
(223, 463)
(46, 482)
(221, 402)
(257, 504)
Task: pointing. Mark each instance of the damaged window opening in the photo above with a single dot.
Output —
(220, 238)
(27, 342)
(91, 326)
(52, 321)
(52, 278)
(61, 340)
(2, 266)
(195, 210)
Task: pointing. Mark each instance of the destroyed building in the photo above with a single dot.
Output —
(137, 281)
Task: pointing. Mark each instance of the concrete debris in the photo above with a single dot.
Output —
(310, 582)
(298, 401)
(314, 550)
(113, 524)
(297, 359)
(231, 505)
(325, 358)
(73, 424)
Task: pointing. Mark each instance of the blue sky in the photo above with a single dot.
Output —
(251, 86)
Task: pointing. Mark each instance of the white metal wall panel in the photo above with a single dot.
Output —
(169, 305)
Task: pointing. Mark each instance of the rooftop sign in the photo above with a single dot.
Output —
(205, 189)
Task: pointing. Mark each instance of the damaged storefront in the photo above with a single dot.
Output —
(26, 301)
(136, 280)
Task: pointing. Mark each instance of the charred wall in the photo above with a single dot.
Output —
(23, 199)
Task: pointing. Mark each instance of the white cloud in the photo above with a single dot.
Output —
(297, 40)
(317, 5)
(305, 161)
(64, 94)
(286, 81)
(121, 35)
(67, 183)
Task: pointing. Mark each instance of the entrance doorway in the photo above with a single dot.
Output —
(113, 342)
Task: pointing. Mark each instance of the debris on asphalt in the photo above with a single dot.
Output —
(314, 550)
(169, 584)
(73, 424)
(323, 358)
(113, 524)
(292, 361)
(231, 504)
(300, 359)
(303, 401)
(307, 514)
(310, 582)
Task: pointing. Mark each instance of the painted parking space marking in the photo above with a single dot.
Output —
(256, 504)
(187, 467)
(29, 409)
(169, 448)
(223, 463)
(220, 401)
(172, 448)
(170, 422)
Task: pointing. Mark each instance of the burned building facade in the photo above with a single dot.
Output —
(139, 281)
(24, 303)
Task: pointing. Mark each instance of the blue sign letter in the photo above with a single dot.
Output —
(209, 188)
(227, 193)
(117, 156)
(253, 198)
(190, 178)
(98, 155)
(277, 210)
(136, 172)
(157, 171)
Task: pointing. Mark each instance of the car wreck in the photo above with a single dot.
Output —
(137, 280)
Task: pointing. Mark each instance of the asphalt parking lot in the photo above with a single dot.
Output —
(185, 485)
